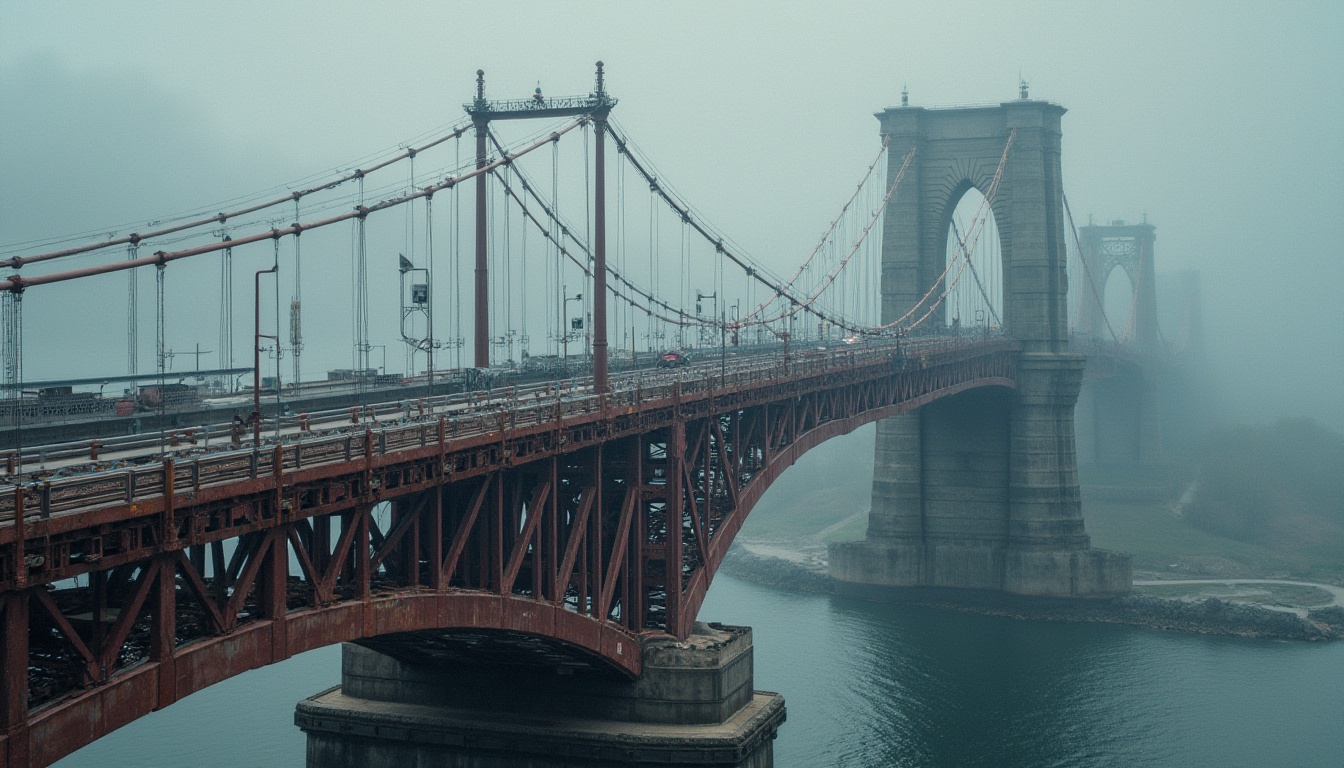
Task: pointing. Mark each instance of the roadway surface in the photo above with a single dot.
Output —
(214, 455)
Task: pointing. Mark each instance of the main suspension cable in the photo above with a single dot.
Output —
(753, 270)
(15, 282)
(567, 232)
(16, 262)
(961, 246)
(831, 277)
(975, 222)
(1087, 270)
(673, 314)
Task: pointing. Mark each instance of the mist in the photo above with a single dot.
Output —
(1221, 123)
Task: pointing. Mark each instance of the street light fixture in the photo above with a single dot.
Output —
(257, 336)
(421, 303)
(568, 322)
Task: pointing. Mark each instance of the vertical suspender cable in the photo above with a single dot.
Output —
(523, 338)
(13, 320)
(409, 224)
(561, 328)
(492, 258)
(161, 352)
(410, 209)
(620, 252)
(132, 312)
(429, 300)
(654, 324)
(508, 273)
(354, 291)
(684, 260)
(279, 351)
(587, 232)
(295, 304)
(11, 362)
(548, 314)
(459, 341)
(226, 309)
(624, 257)
(361, 296)
(653, 268)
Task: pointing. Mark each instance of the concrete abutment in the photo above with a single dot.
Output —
(693, 705)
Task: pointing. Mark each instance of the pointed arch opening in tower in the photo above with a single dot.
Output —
(1119, 302)
(974, 264)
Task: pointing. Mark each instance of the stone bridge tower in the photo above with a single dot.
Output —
(1118, 415)
(1129, 248)
(980, 490)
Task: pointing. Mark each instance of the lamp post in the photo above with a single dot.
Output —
(566, 329)
(422, 302)
(257, 336)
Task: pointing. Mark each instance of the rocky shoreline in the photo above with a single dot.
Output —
(1210, 616)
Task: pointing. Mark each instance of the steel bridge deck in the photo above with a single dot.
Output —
(550, 512)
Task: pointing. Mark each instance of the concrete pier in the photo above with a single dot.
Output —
(693, 705)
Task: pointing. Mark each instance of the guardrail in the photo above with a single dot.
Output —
(308, 444)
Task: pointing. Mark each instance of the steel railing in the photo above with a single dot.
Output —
(344, 434)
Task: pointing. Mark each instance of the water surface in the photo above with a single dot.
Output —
(872, 685)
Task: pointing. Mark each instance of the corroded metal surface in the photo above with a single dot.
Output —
(593, 520)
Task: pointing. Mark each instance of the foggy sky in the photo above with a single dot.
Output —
(1223, 123)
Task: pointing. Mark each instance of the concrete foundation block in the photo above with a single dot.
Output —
(1079, 573)
(693, 705)
(1082, 573)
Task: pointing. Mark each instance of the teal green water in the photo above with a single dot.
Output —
(877, 685)
(872, 685)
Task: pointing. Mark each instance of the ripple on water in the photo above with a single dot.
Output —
(873, 685)
(877, 686)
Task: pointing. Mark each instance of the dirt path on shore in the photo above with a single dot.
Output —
(1336, 593)
(806, 551)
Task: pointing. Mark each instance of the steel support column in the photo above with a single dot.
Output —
(600, 247)
(482, 341)
(14, 667)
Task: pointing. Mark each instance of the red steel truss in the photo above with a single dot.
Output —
(592, 520)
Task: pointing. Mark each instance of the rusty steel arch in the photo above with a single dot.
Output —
(122, 591)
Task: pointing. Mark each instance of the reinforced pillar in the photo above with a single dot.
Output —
(693, 705)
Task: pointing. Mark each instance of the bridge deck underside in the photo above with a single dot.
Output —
(122, 592)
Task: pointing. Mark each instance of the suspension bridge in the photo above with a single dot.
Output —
(572, 508)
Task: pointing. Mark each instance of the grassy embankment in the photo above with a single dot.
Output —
(825, 497)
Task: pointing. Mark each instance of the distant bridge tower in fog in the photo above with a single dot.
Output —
(1118, 417)
(1128, 248)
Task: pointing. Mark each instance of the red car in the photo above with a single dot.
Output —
(673, 359)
